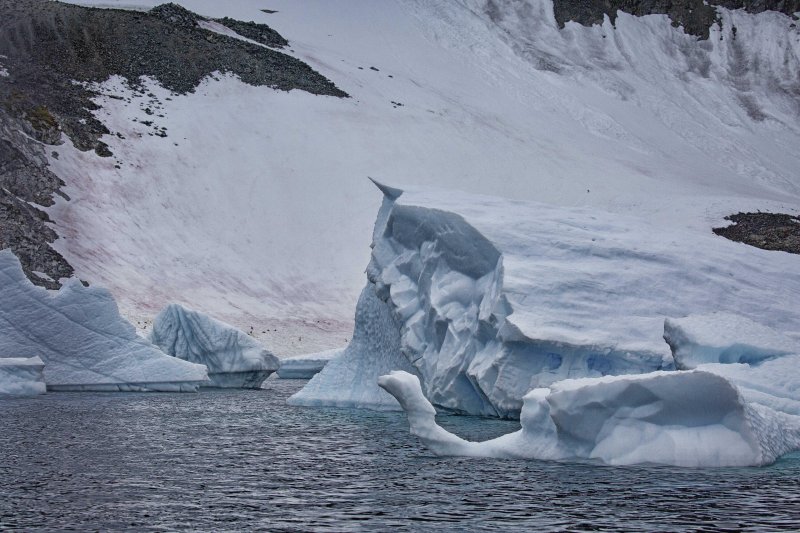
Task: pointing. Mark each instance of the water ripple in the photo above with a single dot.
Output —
(244, 460)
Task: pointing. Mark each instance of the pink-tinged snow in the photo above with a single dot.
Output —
(261, 214)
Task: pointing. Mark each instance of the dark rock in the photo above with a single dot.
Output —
(770, 231)
(260, 33)
(49, 45)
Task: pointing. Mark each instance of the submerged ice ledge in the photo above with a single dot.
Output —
(485, 299)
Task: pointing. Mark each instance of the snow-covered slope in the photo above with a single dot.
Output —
(489, 298)
(233, 359)
(84, 342)
(256, 207)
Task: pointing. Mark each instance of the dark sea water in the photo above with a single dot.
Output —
(244, 460)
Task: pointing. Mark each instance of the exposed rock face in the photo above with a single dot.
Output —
(46, 47)
(25, 180)
(696, 16)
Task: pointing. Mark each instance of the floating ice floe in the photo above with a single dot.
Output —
(485, 299)
(681, 418)
(234, 359)
(21, 377)
(84, 342)
(307, 365)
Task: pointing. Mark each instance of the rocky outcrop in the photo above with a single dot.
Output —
(45, 47)
(26, 181)
(770, 231)
(696, 16)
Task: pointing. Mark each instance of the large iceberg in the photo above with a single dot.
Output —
(485, 299)
(681, 418)
(307, 365)
(84, 342)
(233, 358)
(21, 377)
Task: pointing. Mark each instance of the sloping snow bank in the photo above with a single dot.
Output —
(633, 118)
(485, 298)
(234, 359)
(306, 366)
(83, 341)
(683, 418)
(21, 377)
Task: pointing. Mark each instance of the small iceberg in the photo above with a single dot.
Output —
(682, 418)
(306, 366)
(83, 341)
(21, 377)
(234, 359)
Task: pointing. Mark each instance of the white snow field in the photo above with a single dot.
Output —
(233, 359)
(261, 213)
(21, 377)
(684, 418)
(305, 366)
(487, 298)
(84, 342)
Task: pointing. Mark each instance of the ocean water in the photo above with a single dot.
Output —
(244, 460)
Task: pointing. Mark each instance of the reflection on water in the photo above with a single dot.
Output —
(244, 460)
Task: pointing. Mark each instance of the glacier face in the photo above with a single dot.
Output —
(84, 342)
(21, 377)
(485, 299)
(683, 418)
(233, 359)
